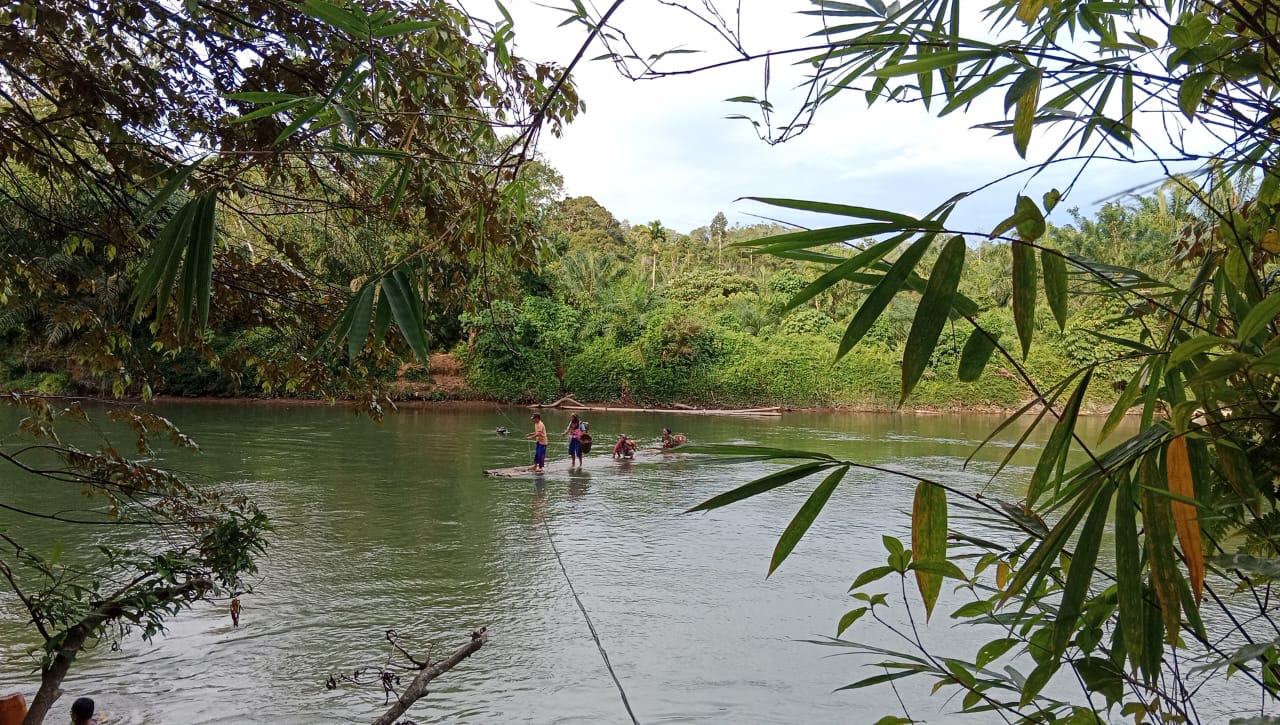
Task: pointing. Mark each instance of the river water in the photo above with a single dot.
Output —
(394, 526)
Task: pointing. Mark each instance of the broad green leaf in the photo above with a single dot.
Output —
(1058, 446)
(929, 539)
(1036, 681)
(804, 517)
(818, 237)
(401, 299)
(405, 27)
(1030, 220)
(849, 618)
(1191, 92)
(1024, 293)
(1128, 569)
(1159, 527)
(883, 293)
(1128, 397)
(335, 16)
(358, 331)
(1262, 314)
(1186, 521)
(871, 575)
(760, 485)
(1055, 285)
(1080, 575)
(977, 351)
(931, 314)
(994, 650)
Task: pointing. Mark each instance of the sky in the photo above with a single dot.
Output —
(662, 149)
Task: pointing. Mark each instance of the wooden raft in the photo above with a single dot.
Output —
(589, 463)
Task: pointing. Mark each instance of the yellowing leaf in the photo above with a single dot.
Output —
(1184, 514)
(1271, 241)
(929, 539)
(1002, 574)
(1028, 10)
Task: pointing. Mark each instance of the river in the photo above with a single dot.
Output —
(393, 526)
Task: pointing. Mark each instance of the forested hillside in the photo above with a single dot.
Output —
(609, 310)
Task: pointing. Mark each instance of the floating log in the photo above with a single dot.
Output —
(775, 411)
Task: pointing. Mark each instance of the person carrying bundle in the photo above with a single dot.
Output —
(625, 448)
(672, 440)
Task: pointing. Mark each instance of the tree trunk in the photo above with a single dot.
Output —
(51, 677)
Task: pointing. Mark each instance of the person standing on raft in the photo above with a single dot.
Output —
(539, 435)
(574, 431)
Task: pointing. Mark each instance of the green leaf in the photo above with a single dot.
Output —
(1036, 681)
(362, 310)
(1191, 92)
(994, 650)
(157, 276)
(270, 110)
(175, 182)
(1129, 570)
(849, 618)
(1196, 345)
(859, 212)
(841, 272)
(931, 314)
(975, 355)
(1128, 397)
(804, 517)
(1158, 519)
(1055, 285)
(335, 16)
(1024, 294)
(381, 320)
(1058, 446)
(1044, 555)
(877, 680)
(1080, 575)
(872, 575)
(929, 539)
(1030, 220)
(882, 294)
(404, 28)
(260, 97)
(405, 316)
(1262, 314)
(201, 255)
(760, 485)
(930, 62)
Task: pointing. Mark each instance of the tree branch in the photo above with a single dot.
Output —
(418, 688)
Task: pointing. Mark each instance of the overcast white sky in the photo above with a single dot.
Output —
(663, 150)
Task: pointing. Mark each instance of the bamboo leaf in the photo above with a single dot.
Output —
(1024, 116)
(930, 62)
(975, 355)
(760, 485)
(860, 212)
(1159, 527)
(1055, 285)
(1261, 315)
(1185, 518)
(1024, 294)
(1196, 345)
(204, 241)
(1129, 570)
(175, 182)
(191, 264)
(358, 330)
(381, 320)
(1059, 443)
(931, 314)
(804, 517)
(882, 294)
(1048, 550)
(842, 271)
(929, 539)
(1127, 398)
(1083, 561)
(165, 255)
(401, 299)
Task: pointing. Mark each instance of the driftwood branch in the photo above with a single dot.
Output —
(418, 688)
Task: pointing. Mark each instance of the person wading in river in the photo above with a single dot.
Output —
(539, 436)
(574, 431)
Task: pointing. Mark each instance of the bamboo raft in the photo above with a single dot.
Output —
(568, 403)
(589, 463)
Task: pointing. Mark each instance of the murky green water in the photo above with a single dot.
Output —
(394, 526)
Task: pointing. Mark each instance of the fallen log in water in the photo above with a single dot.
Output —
(775, 411)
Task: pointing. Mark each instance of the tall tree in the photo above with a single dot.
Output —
(719, 225)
